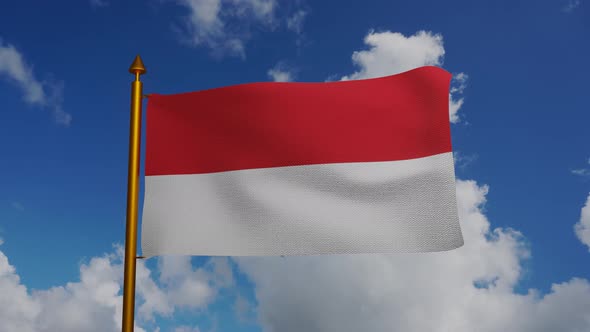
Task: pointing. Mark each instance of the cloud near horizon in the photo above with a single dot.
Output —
(467, 289)
(94, 303)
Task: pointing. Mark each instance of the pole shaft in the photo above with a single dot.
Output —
(132, 206)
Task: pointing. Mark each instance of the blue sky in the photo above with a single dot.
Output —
(520, 133)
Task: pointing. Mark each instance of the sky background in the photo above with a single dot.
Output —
(519, 115)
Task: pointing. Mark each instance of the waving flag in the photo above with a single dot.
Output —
(347, 167)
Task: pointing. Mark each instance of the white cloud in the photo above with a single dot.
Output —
(582, 171)
(44, 94)
(392, 53)
(461, 80)
(224, 26)
(94, 303)
(17, 309)
(280, 76)
(222, 274)
(241, 307)
(281, 73)
(207, 23)
(571, 6)
(582, 228)
(13, 66)
(295, 21)
(261, 9)
(244, 310)
(454, 106)
(462, 160)
(192, 288)
(155, 299)
(467, 289)
(458, 85)
(185, 286)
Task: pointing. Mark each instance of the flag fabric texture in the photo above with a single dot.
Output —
(268, 169)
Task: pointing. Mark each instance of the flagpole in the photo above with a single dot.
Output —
(137, 68)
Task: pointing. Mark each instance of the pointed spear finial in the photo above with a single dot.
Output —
(137, 66)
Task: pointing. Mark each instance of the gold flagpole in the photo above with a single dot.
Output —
(137, 69)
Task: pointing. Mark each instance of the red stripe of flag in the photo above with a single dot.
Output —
(262, 125)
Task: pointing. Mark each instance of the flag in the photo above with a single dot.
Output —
(268, 169)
